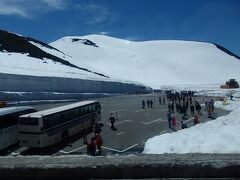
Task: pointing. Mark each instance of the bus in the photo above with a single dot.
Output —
(9, 124)
(48, 127)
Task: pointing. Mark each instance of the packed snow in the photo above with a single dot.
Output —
(217, 136)
(153, 63)
(17, 63)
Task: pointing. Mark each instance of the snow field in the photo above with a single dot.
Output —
(217, 136)
(153, 63)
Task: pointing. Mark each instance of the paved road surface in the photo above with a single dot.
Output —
(134, 126)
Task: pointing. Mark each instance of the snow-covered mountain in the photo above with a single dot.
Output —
(154, 63)
(40, 71)
(27, 56)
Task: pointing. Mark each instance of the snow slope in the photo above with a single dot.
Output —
(26, 56)
(153, 63)
(17, 63)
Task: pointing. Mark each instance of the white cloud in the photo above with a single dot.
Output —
(30, 8)
(57, 4)
(12, 10)
(93, 13)
(104, 33)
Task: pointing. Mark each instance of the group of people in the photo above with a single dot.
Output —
(149, 103)
(94, 147)
(162, 100)
(182, 102)
(172, 121)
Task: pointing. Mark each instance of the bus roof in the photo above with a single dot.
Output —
(58, 109)
(9, 110)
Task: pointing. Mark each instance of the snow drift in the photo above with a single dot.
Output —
(218, 136)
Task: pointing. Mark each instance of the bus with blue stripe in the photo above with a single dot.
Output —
(48, 127)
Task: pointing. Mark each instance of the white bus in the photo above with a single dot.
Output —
(9, 124)
(48, 127)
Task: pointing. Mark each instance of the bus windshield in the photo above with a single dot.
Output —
(28, 121)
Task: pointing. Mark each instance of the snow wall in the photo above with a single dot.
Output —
(36, 87)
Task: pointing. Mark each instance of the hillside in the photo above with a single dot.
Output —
(33, 70)
(27, 56)
(154, 63)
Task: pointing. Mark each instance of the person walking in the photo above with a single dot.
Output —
(172, 107)
(92, 147)
(99, 143)
(151, 103)
(192, 109)
(160, 100)
(143, 104)
(206, 105)
(112, 121)
(169, 107)
(177, 107)
(210, 110)
(98, 129)
(198, 108)
(212, 104)
(169, 117)
(184, 111)
(148, 103)
(174, 123)
(84, 134)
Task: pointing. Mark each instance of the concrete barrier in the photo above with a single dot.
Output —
(25, 83)
(121, 167)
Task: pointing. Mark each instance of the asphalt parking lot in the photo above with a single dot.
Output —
(134, 126)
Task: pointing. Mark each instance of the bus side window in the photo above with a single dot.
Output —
(62, 117)
(94, 107)
(70, 115)
(87, 110)
(83, 111)
(76, 113)
(8, 120)
(79, 112)
(90, 108)
(98, 107)
(49, 121)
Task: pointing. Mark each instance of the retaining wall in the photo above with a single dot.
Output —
(23, 83)
(46, 87)
(122, 167)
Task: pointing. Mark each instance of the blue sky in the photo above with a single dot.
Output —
(215, 21)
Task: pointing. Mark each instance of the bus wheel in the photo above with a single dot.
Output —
(65, 137)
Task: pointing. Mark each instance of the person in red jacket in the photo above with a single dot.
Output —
(99, 143)
(174, 123)
(91, 147)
